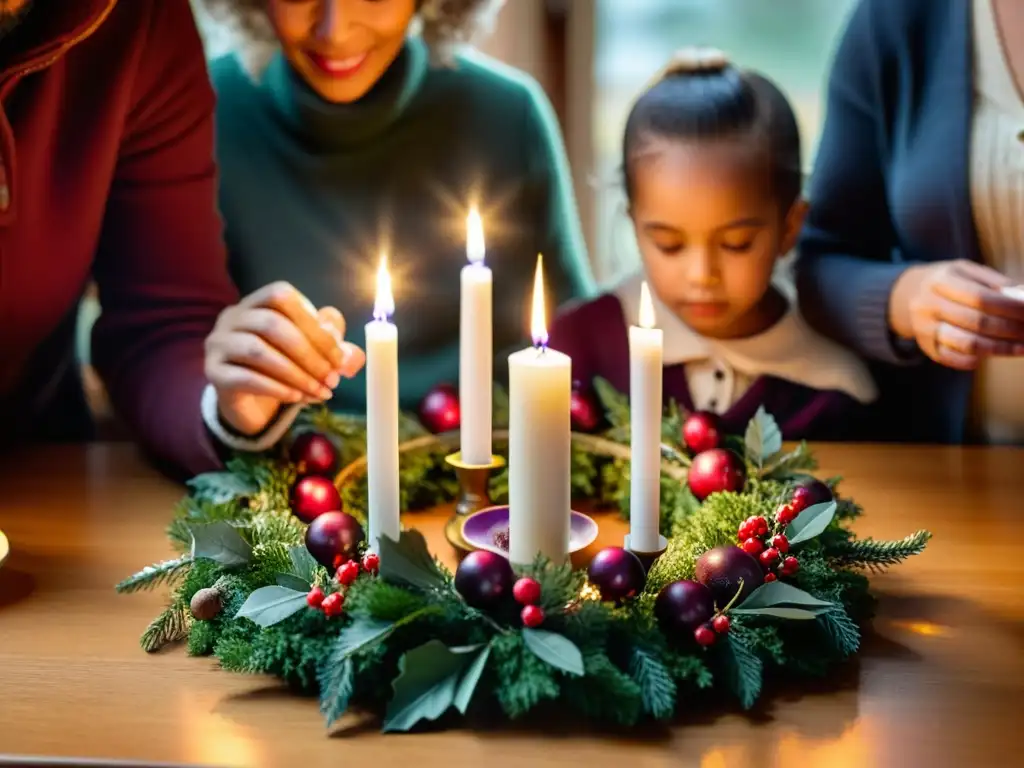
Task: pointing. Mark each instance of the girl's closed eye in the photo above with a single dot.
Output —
(739, 240)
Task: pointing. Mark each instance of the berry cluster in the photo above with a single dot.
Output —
(708, 633)
(767, 542)
(526, 591)
(346, 575)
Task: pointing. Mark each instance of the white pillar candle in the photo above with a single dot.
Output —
(645, 382)
(539, 445)
(476, 349)
(382, 414)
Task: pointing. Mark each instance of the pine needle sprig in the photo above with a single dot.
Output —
(166, 573)
(169, 627)
(875, 555)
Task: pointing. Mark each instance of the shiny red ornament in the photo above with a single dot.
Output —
(439, 409)
(532, 615)
(715, 471)
(312, 496)
(617, 573)
(334, 538)
(314, 454)
(702, 431)
(583, 412)
(526, 591)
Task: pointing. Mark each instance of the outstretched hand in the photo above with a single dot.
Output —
(275, 348)
(958, 313)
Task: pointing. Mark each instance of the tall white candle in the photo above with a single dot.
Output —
(382, 414)
(476, 352)
(645, 382)
(539, 445)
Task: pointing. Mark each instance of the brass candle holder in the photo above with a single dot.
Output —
(473, 494)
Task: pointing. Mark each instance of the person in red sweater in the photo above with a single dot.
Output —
(107, 173)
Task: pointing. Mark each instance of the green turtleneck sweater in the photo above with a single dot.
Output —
(311, 192)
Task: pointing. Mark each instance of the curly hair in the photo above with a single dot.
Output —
(443, 24)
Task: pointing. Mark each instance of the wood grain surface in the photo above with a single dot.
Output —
(940, 681)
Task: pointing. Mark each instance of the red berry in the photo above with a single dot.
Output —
(781, 543)
(785, 514)
(769, 577)
(790, 566)
(760, 526)
(333, 603)
(770, 556)
(348, 573)
(315, 597)
(743, 532)
(371, 562)
(532, 615)
(339, 560)
(526, 591)
(704, 636)
(801, 498)
(753, 547)
(721, 624)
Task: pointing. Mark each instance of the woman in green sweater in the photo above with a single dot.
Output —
(351, 127)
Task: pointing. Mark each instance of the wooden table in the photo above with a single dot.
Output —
(940, 684)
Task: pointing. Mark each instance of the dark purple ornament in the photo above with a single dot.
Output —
(811, 492)
(720, 570)
(484, 579)
(314, 454)
(682, 606)
(617, 573)
(334, 538)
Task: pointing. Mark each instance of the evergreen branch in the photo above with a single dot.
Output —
(800, 459)
(169, 627)
(152, 576)
(657, 688)
(743, 669)
(843, 633)
(337, 683)
(877, 555)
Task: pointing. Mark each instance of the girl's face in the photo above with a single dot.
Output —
(341, 47)
(710, 232)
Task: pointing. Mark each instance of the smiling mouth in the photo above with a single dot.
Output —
(334, 67)
(705, 308)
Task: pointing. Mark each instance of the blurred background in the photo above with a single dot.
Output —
(592, 57)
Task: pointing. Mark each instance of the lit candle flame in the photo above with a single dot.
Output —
(384, 303)
(538, 325)
(474, 237)
(646, 307)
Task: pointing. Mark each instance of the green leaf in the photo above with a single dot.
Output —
(657, 688)
(337, 683)
(842, 631)
(153, 576)
(778, 611)
(291, 581)
(303, 564)
(744, 671)
(408, 561)
(468, 682)
(554, 649)
(359, 635)
(811, 522)
(428, 677)
(268, 606)
(615, 404)
(220, 542)
(789, 465)
(778, 594)
(221, 487)
(763, 439)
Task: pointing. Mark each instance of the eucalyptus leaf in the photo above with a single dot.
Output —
(268, 606)
(291, 581)
(360, 634)
(428, 678)
(303, 564)
(220, 542)
(221, 487)
(778, 611)
(811, 522)
(408, 562)
(554, 649)
(778, 594)
(470, 678)
(763, 439)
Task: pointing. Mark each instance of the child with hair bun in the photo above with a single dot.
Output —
(711, 164)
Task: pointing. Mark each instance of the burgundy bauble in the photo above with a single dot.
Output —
(720, 570)
(702, 431)
(617, 573)
(682, 606)
(439, 410)
(714, 471)
(312, 496)
(583, 412)
(314, 454)
(484, 579)
(333, 539)
(809, 492)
